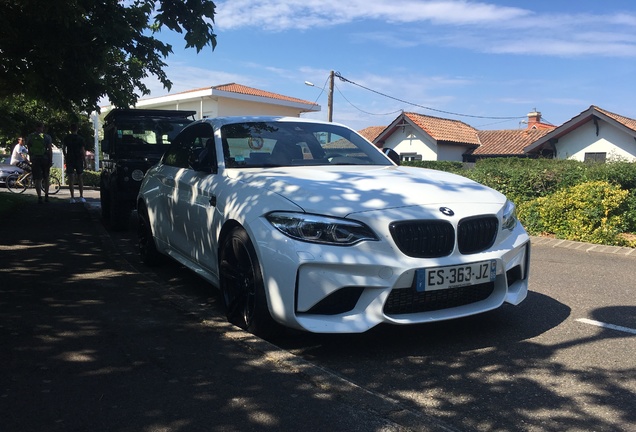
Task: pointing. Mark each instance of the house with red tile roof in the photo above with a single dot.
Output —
(371, 132)
(420, 137)
(593, 135)
(504, 143)
(229, 100)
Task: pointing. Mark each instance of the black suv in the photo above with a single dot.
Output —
(134, 140)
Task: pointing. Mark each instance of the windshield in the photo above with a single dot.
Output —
(148, 134)
(268, 144)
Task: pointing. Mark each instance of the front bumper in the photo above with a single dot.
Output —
(329, 289)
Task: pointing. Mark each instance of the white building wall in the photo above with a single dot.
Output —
(451, 153)
(212, 106)
(610, 140)
(233, 107)
(406, 141)
(204, 107)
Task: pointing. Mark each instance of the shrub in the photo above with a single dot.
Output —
(56, 172)
(91, 179)
(618, 172)
(592, 212)
(526, 179)
(630, 212)
(449, 166)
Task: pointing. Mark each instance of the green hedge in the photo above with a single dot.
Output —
(91, 178)
(454, 167)
(592, 202)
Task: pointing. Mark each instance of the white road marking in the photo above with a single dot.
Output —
(605, 325)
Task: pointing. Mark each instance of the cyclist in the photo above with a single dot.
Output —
(20, 156)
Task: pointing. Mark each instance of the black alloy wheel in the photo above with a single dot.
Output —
(242, 285)
(147, 248)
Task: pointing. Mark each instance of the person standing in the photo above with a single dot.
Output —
(41, 155)
(75, 160)
(19, 155)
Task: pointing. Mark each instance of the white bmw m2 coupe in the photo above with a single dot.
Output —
(308, 225)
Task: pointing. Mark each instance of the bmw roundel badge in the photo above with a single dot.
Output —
(446, 211)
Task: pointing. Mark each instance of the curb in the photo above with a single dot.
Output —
(585, 247)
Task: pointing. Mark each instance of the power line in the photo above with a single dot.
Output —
(337, 74)
(321, 91)
(361, 110)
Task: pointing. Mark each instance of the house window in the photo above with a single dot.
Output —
(410, 157)
(595, 157)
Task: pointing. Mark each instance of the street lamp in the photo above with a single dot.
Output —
(329, 96)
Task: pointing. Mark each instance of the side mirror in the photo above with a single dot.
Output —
(105, 146)
(392, 154)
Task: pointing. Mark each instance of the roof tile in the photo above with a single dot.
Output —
(241, 89)
(625, 121)
(372, 132)
(445, 129)
(507, 142)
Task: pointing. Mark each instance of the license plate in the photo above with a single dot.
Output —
(439, 278)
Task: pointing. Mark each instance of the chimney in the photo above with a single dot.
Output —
(534, 119)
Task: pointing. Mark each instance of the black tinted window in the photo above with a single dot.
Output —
(189, 145)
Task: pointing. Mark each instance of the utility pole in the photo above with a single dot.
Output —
(330, 98)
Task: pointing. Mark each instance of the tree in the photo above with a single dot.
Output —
(19, 116)
(69, 54)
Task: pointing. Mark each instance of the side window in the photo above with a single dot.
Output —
(190, 146)
(595, 157)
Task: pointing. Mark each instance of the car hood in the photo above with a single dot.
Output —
(341, 191)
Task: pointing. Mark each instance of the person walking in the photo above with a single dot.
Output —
(40, 148)
(20, 156)
(75, 160)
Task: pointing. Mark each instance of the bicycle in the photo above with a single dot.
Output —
(18, 183)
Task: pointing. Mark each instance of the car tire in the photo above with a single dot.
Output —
(104, 200)
(120, 212)
(242, 286)
(146, 245)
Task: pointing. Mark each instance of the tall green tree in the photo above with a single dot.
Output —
(69, 54)
(19, 116)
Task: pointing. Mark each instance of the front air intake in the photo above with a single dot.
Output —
(424, 239)
(476, 234)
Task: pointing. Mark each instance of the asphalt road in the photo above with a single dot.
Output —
(564, 360)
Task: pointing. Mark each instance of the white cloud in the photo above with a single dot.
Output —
(186, 78)
(476, 25)
(277, 15)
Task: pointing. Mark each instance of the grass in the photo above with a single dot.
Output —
(10, 201)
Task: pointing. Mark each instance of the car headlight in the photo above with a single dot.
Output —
(509, 216)
(321, 229)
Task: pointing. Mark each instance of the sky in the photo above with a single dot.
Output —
(485, 63)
